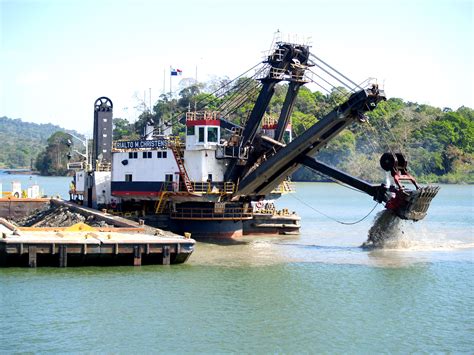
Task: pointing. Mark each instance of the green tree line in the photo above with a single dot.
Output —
(27, 145)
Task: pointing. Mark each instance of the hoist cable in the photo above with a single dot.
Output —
(209, 96)
(330, 67)
(332, 218)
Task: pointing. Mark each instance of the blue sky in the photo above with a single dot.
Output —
(58, 56)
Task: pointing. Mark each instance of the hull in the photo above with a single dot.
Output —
(266, 224)
(260, 224)
(208, 229)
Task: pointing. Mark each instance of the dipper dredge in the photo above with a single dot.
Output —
(222, 178)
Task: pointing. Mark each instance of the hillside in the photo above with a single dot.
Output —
(22, 141)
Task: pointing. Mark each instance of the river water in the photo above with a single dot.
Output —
(317, 292)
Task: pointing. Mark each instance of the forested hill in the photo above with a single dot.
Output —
(22, 141)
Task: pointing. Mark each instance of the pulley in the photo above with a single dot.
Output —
(393, 162)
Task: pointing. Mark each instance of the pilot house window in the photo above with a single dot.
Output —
(212, 134)
(190, 131)
(201, 135)
(128, 177)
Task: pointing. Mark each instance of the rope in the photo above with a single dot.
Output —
(334, 219)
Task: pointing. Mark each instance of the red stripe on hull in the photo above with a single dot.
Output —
(136, 193)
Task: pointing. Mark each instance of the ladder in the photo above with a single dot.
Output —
(161, 203)
(182, 170)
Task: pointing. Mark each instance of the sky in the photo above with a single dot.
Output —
(58, 56)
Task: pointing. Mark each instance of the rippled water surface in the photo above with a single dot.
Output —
(317, 292)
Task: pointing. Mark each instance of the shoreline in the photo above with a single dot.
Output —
(19, 172)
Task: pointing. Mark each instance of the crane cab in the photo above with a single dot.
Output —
(203, 134)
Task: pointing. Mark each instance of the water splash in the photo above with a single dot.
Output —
(387, 231)
(391, 232)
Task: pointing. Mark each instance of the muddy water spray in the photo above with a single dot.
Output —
(387, 231)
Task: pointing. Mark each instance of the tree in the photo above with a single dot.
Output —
(123, 129)
(53, 160)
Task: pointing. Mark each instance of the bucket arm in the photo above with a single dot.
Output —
(405, 203)
(380, 193)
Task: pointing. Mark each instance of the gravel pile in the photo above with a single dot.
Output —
(58, 217)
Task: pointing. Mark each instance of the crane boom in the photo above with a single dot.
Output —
(286, 160)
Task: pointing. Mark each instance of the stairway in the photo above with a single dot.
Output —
(182, 170)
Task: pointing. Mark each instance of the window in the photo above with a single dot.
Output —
(169, 177)
(165, 155)
(190, 131)
(105, 119)
(159, 155)
(104, 135)
(201, 135)
(146, 155)
(209, 177)
(132, 155)
(128, 177)
(212, 134)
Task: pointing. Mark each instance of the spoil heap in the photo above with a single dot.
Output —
(58, 216)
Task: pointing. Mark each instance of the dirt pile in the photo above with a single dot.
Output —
(58, 217)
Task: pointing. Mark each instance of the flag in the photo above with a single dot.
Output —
(175, 72)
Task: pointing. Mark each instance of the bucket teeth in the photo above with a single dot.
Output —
(417, 203)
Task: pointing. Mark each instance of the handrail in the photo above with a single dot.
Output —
(202, 115)
(211, 213)
(285, 187)
(201, 187)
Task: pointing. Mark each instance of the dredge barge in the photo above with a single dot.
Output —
(113, 241)
(221, 179)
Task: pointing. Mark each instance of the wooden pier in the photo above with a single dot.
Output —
(80, 244)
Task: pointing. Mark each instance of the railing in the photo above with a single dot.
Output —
(212, 214)
(285, 187)
(226, 151)
(103, 167)
(221, 188)
(202, 115)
